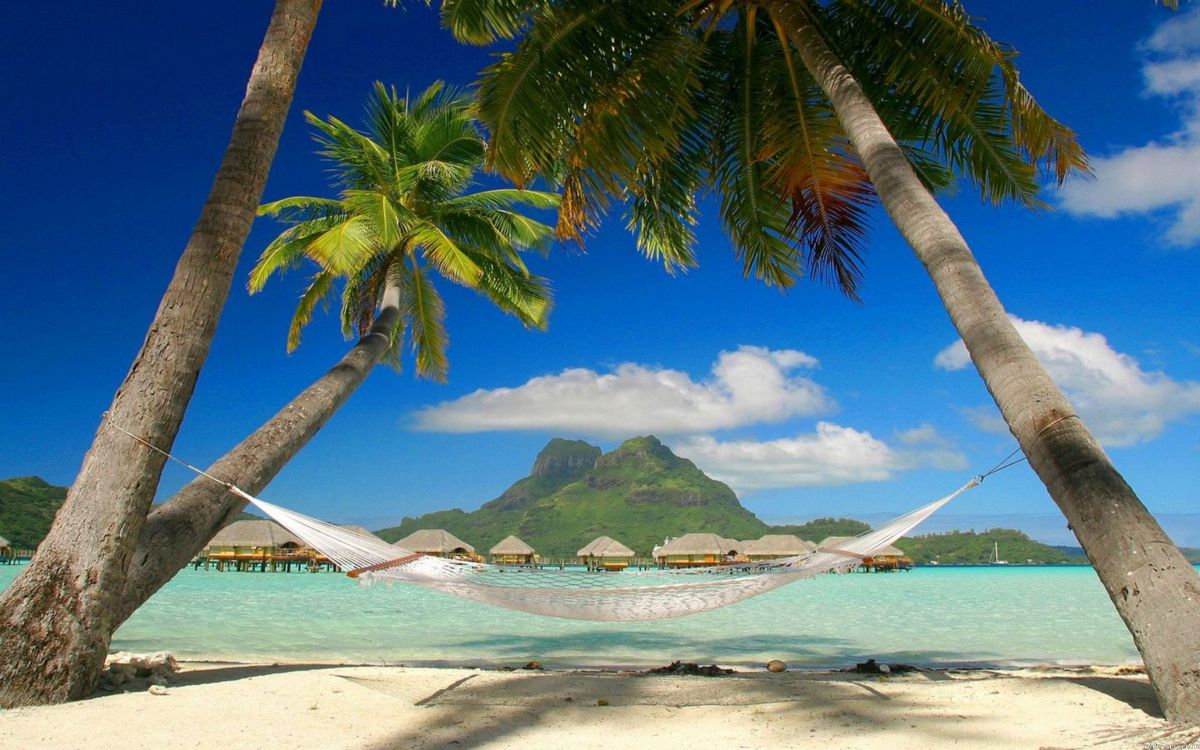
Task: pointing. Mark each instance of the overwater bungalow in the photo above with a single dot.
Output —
(439, 543)
(512, 551)
(832, 542)
(605, 553)
(261, 546)
(772, 546)
(699, 549)
(253, 538)
(886, 560)
(6, 550)
(357, 529)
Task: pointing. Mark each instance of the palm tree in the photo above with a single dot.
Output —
(405, 212)
(57, 615)
(798, 113)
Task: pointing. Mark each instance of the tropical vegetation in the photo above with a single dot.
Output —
(797, 113)
(978, 548)
(27, 508)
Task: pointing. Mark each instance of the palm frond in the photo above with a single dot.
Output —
(444, 253)
(937, 76)
(345, 246)
(423, 308)
(317, 292)
(755, 215)
(290, 247)
(485, 21)
(515, 291)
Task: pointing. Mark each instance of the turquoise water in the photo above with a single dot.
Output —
(940, 616)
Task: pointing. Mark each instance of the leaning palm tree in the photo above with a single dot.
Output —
(57, 615)
(407, 211)
(799, 113)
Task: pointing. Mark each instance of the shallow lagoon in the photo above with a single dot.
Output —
(944, 616)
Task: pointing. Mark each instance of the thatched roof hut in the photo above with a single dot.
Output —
(512, 551)
(358, 529)
(4, 544)
(605, 546)
(833, 541)
(697, 549)
(607, 553)
(771, 546)
(259, 534)
(435, 542)
(697, 544)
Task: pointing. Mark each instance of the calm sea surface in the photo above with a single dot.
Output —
(929, 616)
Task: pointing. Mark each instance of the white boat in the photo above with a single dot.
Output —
(995, 559)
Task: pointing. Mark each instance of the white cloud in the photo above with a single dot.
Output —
(832, 455)
(750, 385)
(1160, 176)
(1121, 403)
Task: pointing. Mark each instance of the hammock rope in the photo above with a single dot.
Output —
(575, 594)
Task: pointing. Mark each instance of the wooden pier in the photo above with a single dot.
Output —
(266, 563)
(15, 556)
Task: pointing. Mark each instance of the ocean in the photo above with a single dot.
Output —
(1005, 616)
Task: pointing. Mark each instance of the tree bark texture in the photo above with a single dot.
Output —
(176, 531)
(56, 616)
(1155, 590)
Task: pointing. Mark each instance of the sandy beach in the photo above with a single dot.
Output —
(376, 708)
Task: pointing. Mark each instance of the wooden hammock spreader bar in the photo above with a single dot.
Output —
(384, 565)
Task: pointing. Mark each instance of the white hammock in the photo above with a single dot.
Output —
(580, 595)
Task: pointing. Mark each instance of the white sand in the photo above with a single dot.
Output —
(372, 708)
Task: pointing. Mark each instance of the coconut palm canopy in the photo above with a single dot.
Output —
(407, 209)
(664, 98)
(433, 541)
(511, 545)
(605, 546)
(254, 534)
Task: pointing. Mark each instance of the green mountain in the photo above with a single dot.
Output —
(969, 547)
(27, 508)
(638, 493)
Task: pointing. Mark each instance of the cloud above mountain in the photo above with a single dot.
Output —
(748, 386)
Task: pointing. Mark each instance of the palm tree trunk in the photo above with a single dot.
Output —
(1155, 590)
(176, 531)
(56, 617)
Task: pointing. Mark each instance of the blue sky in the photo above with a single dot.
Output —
(806, 403)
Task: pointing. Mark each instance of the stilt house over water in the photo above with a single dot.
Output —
(698, 549)
(512, 551)
(438, 542)
(255, 538)
(605, 553)
(774, 546)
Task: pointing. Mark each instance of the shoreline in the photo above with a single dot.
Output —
(380, 708)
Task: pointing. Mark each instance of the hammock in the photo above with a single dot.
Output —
(580, 595)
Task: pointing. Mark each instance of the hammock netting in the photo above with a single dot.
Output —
(586, 595)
